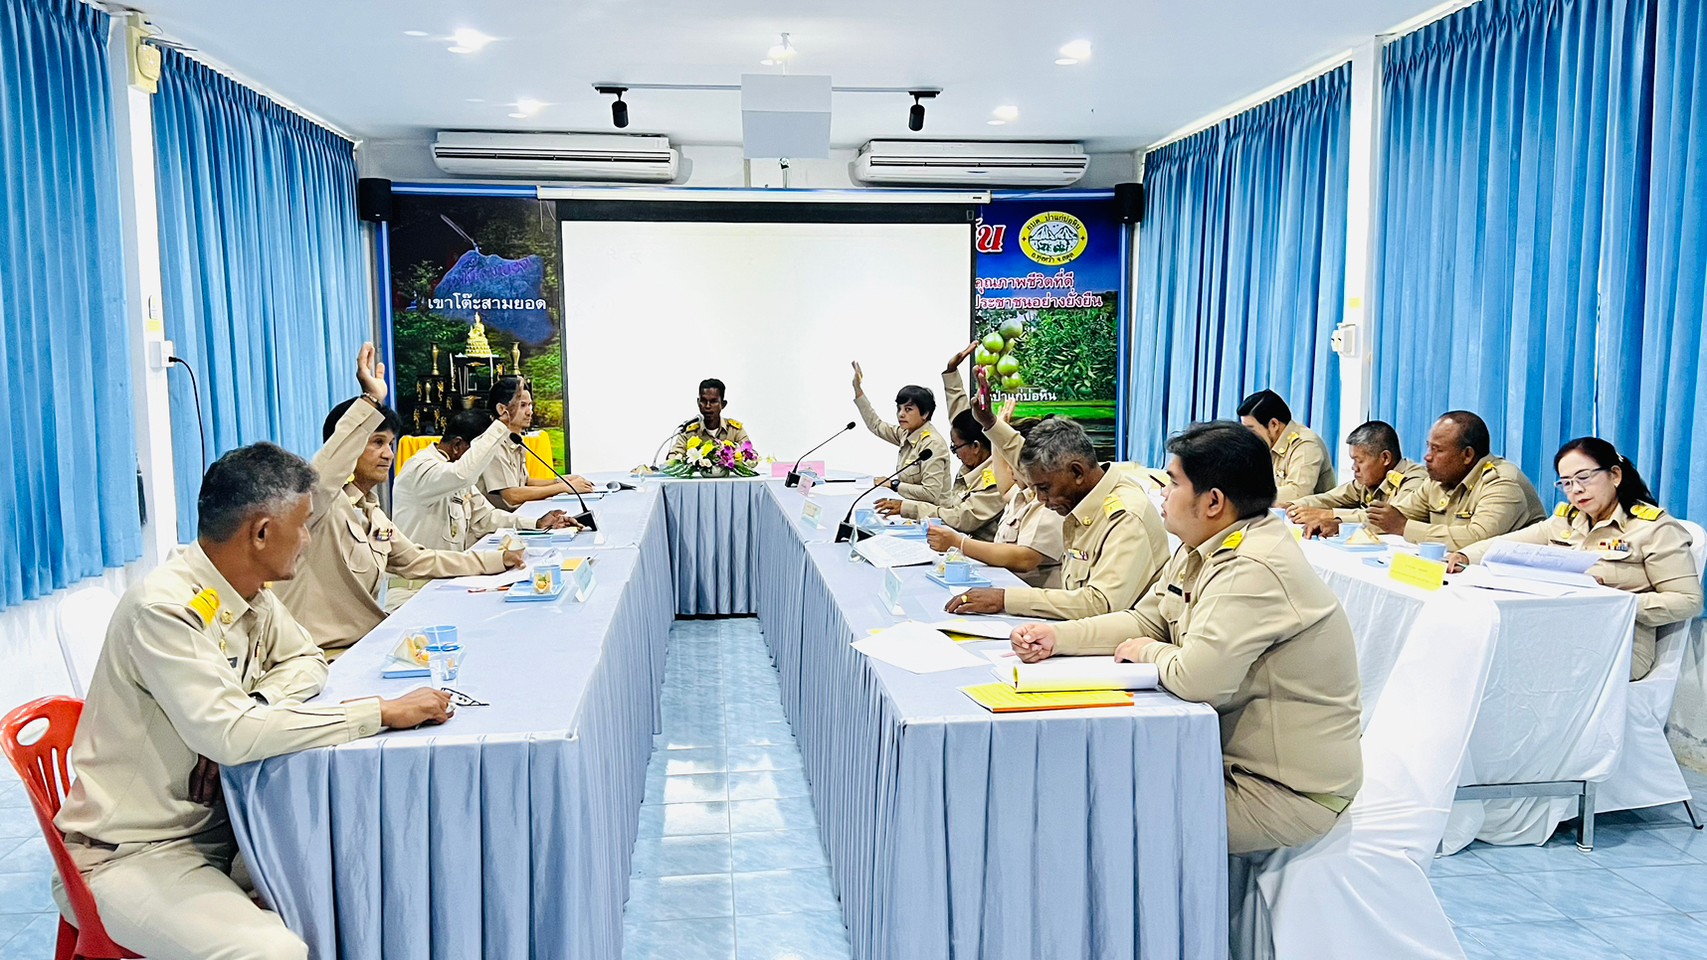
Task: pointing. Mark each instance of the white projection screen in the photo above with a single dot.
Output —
(778, 311)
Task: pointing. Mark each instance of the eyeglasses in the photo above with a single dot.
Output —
(1578, 480)
(956, 448)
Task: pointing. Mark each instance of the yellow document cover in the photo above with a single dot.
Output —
(1001, 698)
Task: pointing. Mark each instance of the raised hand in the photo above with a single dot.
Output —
(370, 373)
(960, 358)
(858, 379)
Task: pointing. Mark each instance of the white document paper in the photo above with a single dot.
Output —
(916, 648)
(489, 581)
(976, 627)
(886, 552)
(1081, 673)
(1489, 578)
(1537, 561)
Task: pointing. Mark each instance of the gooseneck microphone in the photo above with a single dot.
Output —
(673, 435)
(793, 479)
(845, 530)
(585, 517)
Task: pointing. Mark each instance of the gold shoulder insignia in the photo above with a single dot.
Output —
(925, 435)
(206, 605)
(1112, 504)
(692, 427)
(1232, 541)
(988, 479)
(1564, 510)
(736, 424)
(1490, 466)
(1646, 511)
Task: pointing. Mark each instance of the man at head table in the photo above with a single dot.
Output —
(204, 667)
(438, 505)
(338, 595)
(1114, 538)
(1470, 495)
(710, 424)
(1379, 474)
(506, 481)
(1241, 622)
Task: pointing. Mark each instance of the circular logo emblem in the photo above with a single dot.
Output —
(1053, 238)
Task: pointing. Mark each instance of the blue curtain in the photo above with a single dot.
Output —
(266, 288)
(1653, 352)
(68, 491)
(1241, 266)
(1496, 155)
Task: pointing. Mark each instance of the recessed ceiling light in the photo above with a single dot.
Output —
(466, 40)
(1076, 51)
(518, 116)
(1065, 62)
(476, 100)
(529, 105)
(769, 63)
(1006, 113)
(995, 123)
(414, 33)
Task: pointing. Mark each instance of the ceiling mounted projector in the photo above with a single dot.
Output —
(785, 116)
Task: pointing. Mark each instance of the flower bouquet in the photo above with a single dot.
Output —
(705, 457)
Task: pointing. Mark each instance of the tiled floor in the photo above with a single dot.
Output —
(729, 863)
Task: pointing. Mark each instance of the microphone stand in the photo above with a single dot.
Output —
(846, 531)
(793, 479)
(673, 435)
(585, 517)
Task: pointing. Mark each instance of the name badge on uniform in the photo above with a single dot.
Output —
(1078, 554)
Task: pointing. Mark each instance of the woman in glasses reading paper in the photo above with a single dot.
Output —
(1643, 549)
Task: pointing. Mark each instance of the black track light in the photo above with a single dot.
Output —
(618, 109)
(916, 113)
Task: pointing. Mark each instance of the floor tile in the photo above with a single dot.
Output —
(1464, 863)
(1670, 937)
(1684, 888)
(771, 757)
(651, 899)
(1581, 894)
(682, 856)
(791, 936)
(692, 760)
(1490, 898)
(784, 891)
(781, 850)
(682, 819)
(36, 941)
(25, 893)
(710, 938)
(688, 788)
(29, 856)
(1562, 939)
(755, 816)
(767, 784)
(12, 924)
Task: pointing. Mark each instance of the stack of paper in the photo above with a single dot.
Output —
(962, 629)
(1078, 673)
(1534, 561)
(886, 552)
(916, 648)
(1001, 698)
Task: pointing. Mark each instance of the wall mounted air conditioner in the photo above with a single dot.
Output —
(939, 162)
(557, 156)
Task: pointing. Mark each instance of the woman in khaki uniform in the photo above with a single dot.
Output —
(1642, 548)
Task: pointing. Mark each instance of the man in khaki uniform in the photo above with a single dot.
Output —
(506, 481)
(711, 423)
(437, 503)
(974, 504)
(1642, 549)
(927, 480)
(1379, 473)
(204, 667)
(1114, 538)
(1470, 495)
(337, 595)
(1241, 622)
(1303, 465)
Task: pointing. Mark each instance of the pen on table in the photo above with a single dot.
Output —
(490, 589)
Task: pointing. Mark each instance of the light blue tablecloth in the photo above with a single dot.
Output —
(951, 832)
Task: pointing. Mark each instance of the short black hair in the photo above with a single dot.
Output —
(1055, 442)
(712, 383)
(970, 430)
(1472, 431)
(1264, 406)
(389, 420)
(1376, 435)
(503, 391)
(918, 396)
(467, 425)
(260, 476)
(1227, 456)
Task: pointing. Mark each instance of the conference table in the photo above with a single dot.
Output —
(950, 831)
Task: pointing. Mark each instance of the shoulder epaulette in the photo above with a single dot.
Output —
(735, 423)
(205, 605)
(1231, 541)
(1646, 511)
(692, 427)
(1112, 504)
(988, 478)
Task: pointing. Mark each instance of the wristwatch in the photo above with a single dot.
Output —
(895, 484)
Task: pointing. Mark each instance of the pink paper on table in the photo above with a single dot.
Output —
(781, 469)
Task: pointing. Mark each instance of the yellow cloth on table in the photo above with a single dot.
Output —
(538, 441)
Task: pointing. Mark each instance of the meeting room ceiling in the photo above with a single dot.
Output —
(386, 71)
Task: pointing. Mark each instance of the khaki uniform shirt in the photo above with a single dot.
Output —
(335, 594)
(1026, 522)
(1493, 498)
(437, 503)
(1350, 501)
(508, 468)
(1644, 551)
(190, 669)
(1115, 547)
(1243, 624)
(974, 507)
(1302, 464)
(730, 430)
(927, 481)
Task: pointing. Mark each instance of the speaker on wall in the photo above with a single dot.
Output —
(1129, 202)
(373, 199)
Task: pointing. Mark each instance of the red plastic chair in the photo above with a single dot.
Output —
(42, 765)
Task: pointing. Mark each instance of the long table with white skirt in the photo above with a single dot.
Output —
(1554, 707)
(951, 832)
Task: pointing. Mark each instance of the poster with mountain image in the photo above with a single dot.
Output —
(1047, 309)
(475, 294)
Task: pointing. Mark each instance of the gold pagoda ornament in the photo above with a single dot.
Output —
(477, 345)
